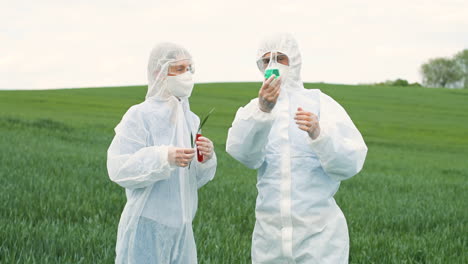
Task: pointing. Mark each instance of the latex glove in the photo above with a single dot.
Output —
(308, 122)
(205, 146)
(180, 157)
(268, 94)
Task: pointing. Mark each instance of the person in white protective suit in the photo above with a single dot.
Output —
(303, 144)
(151, 157)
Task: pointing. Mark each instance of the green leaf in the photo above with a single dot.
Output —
(191, 139)
(205, 118)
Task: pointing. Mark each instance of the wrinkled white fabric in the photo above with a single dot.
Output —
(297, 219)
(156, 223)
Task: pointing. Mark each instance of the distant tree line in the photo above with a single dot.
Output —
(398, 82)
(446, 72)
(440, 72)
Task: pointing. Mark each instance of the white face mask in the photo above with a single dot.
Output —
(283, 70)
(180, 85)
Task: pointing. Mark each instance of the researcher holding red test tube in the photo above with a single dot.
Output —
(152, 157)
(303, 144)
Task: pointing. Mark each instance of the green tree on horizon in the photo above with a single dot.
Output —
(462, 60)
(446, 72)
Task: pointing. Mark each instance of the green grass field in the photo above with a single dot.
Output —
(408, 205)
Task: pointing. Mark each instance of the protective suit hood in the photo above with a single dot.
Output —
(286, 44)
(160, 57)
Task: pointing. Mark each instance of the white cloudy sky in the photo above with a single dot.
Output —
(53, 44)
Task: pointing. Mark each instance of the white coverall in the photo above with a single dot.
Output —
(156, 223)
(297, 218)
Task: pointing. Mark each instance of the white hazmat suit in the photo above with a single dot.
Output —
(156, 223)
(297, 218)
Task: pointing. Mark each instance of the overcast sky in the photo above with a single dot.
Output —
(63, 44)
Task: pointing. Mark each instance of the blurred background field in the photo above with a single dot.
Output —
(408, 205)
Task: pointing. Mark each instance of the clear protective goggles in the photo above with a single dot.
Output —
(271, 58)
(180, 67)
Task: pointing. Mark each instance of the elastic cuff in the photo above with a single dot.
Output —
(252, 111)
(319, 141)
(164, 158)
(209, 162)
(257, 114)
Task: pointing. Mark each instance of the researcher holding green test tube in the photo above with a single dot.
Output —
(303, 144)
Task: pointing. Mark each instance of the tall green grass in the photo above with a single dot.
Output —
(408, 205)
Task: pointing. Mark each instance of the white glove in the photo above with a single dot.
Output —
(180, 157)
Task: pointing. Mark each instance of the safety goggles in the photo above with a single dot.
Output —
(272, 57)
(180, 67)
